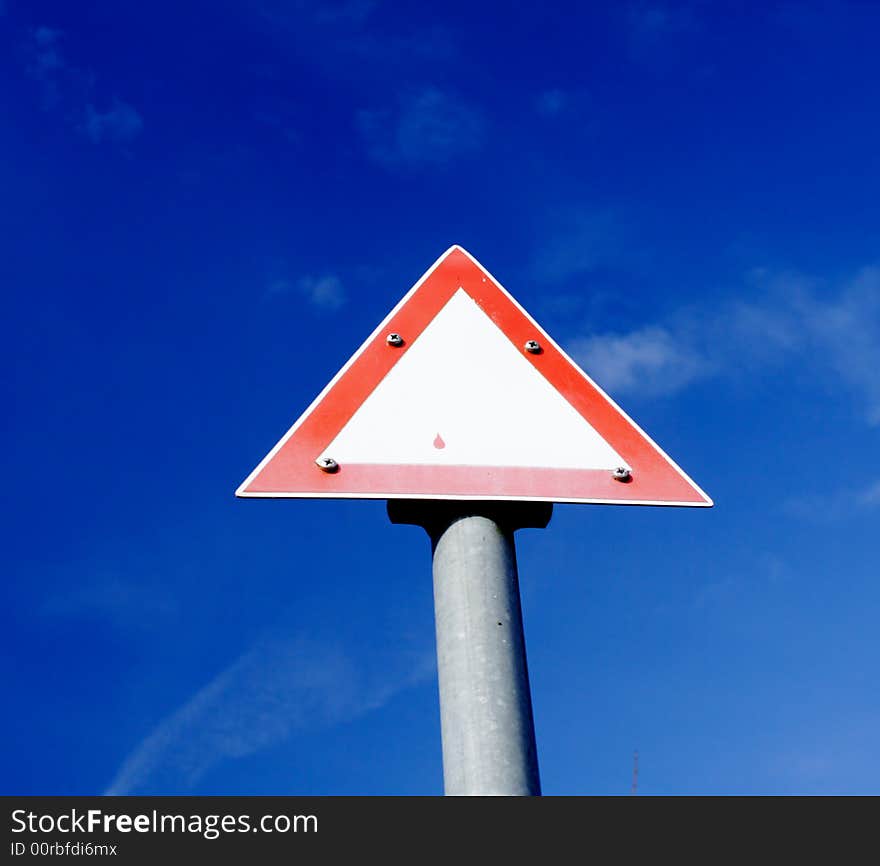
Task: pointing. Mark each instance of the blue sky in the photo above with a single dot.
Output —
(204, 214)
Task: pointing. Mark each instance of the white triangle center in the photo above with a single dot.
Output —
(464, 395)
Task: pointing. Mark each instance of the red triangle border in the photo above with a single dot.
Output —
(289, 470)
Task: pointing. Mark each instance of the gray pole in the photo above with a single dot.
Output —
(486, 722)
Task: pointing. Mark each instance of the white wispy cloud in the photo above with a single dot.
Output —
(427, 127)
(325, 293)
(276, 688)
(47, 49)
(120, 123)
(651, 361)
(831, 331)
(71, 89)
(45, 62)
(844, 330)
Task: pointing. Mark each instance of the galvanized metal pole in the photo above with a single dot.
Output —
(486, 721)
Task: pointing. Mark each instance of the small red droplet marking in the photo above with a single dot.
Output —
(438, 442)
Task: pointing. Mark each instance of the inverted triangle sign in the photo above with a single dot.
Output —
(459, 394)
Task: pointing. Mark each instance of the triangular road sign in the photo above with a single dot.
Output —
(459, 394)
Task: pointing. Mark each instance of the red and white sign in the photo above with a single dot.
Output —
(459, 394)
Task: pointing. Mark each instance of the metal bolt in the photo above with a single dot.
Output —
(327, 464)
(394, 340)
(622, 474)
(533, 346)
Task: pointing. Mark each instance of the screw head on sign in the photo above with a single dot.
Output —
(394, 340)
(622, 474)
(327, 464)
(533, 346)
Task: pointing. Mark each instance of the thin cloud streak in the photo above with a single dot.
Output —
(115, 602)
(276, 688)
